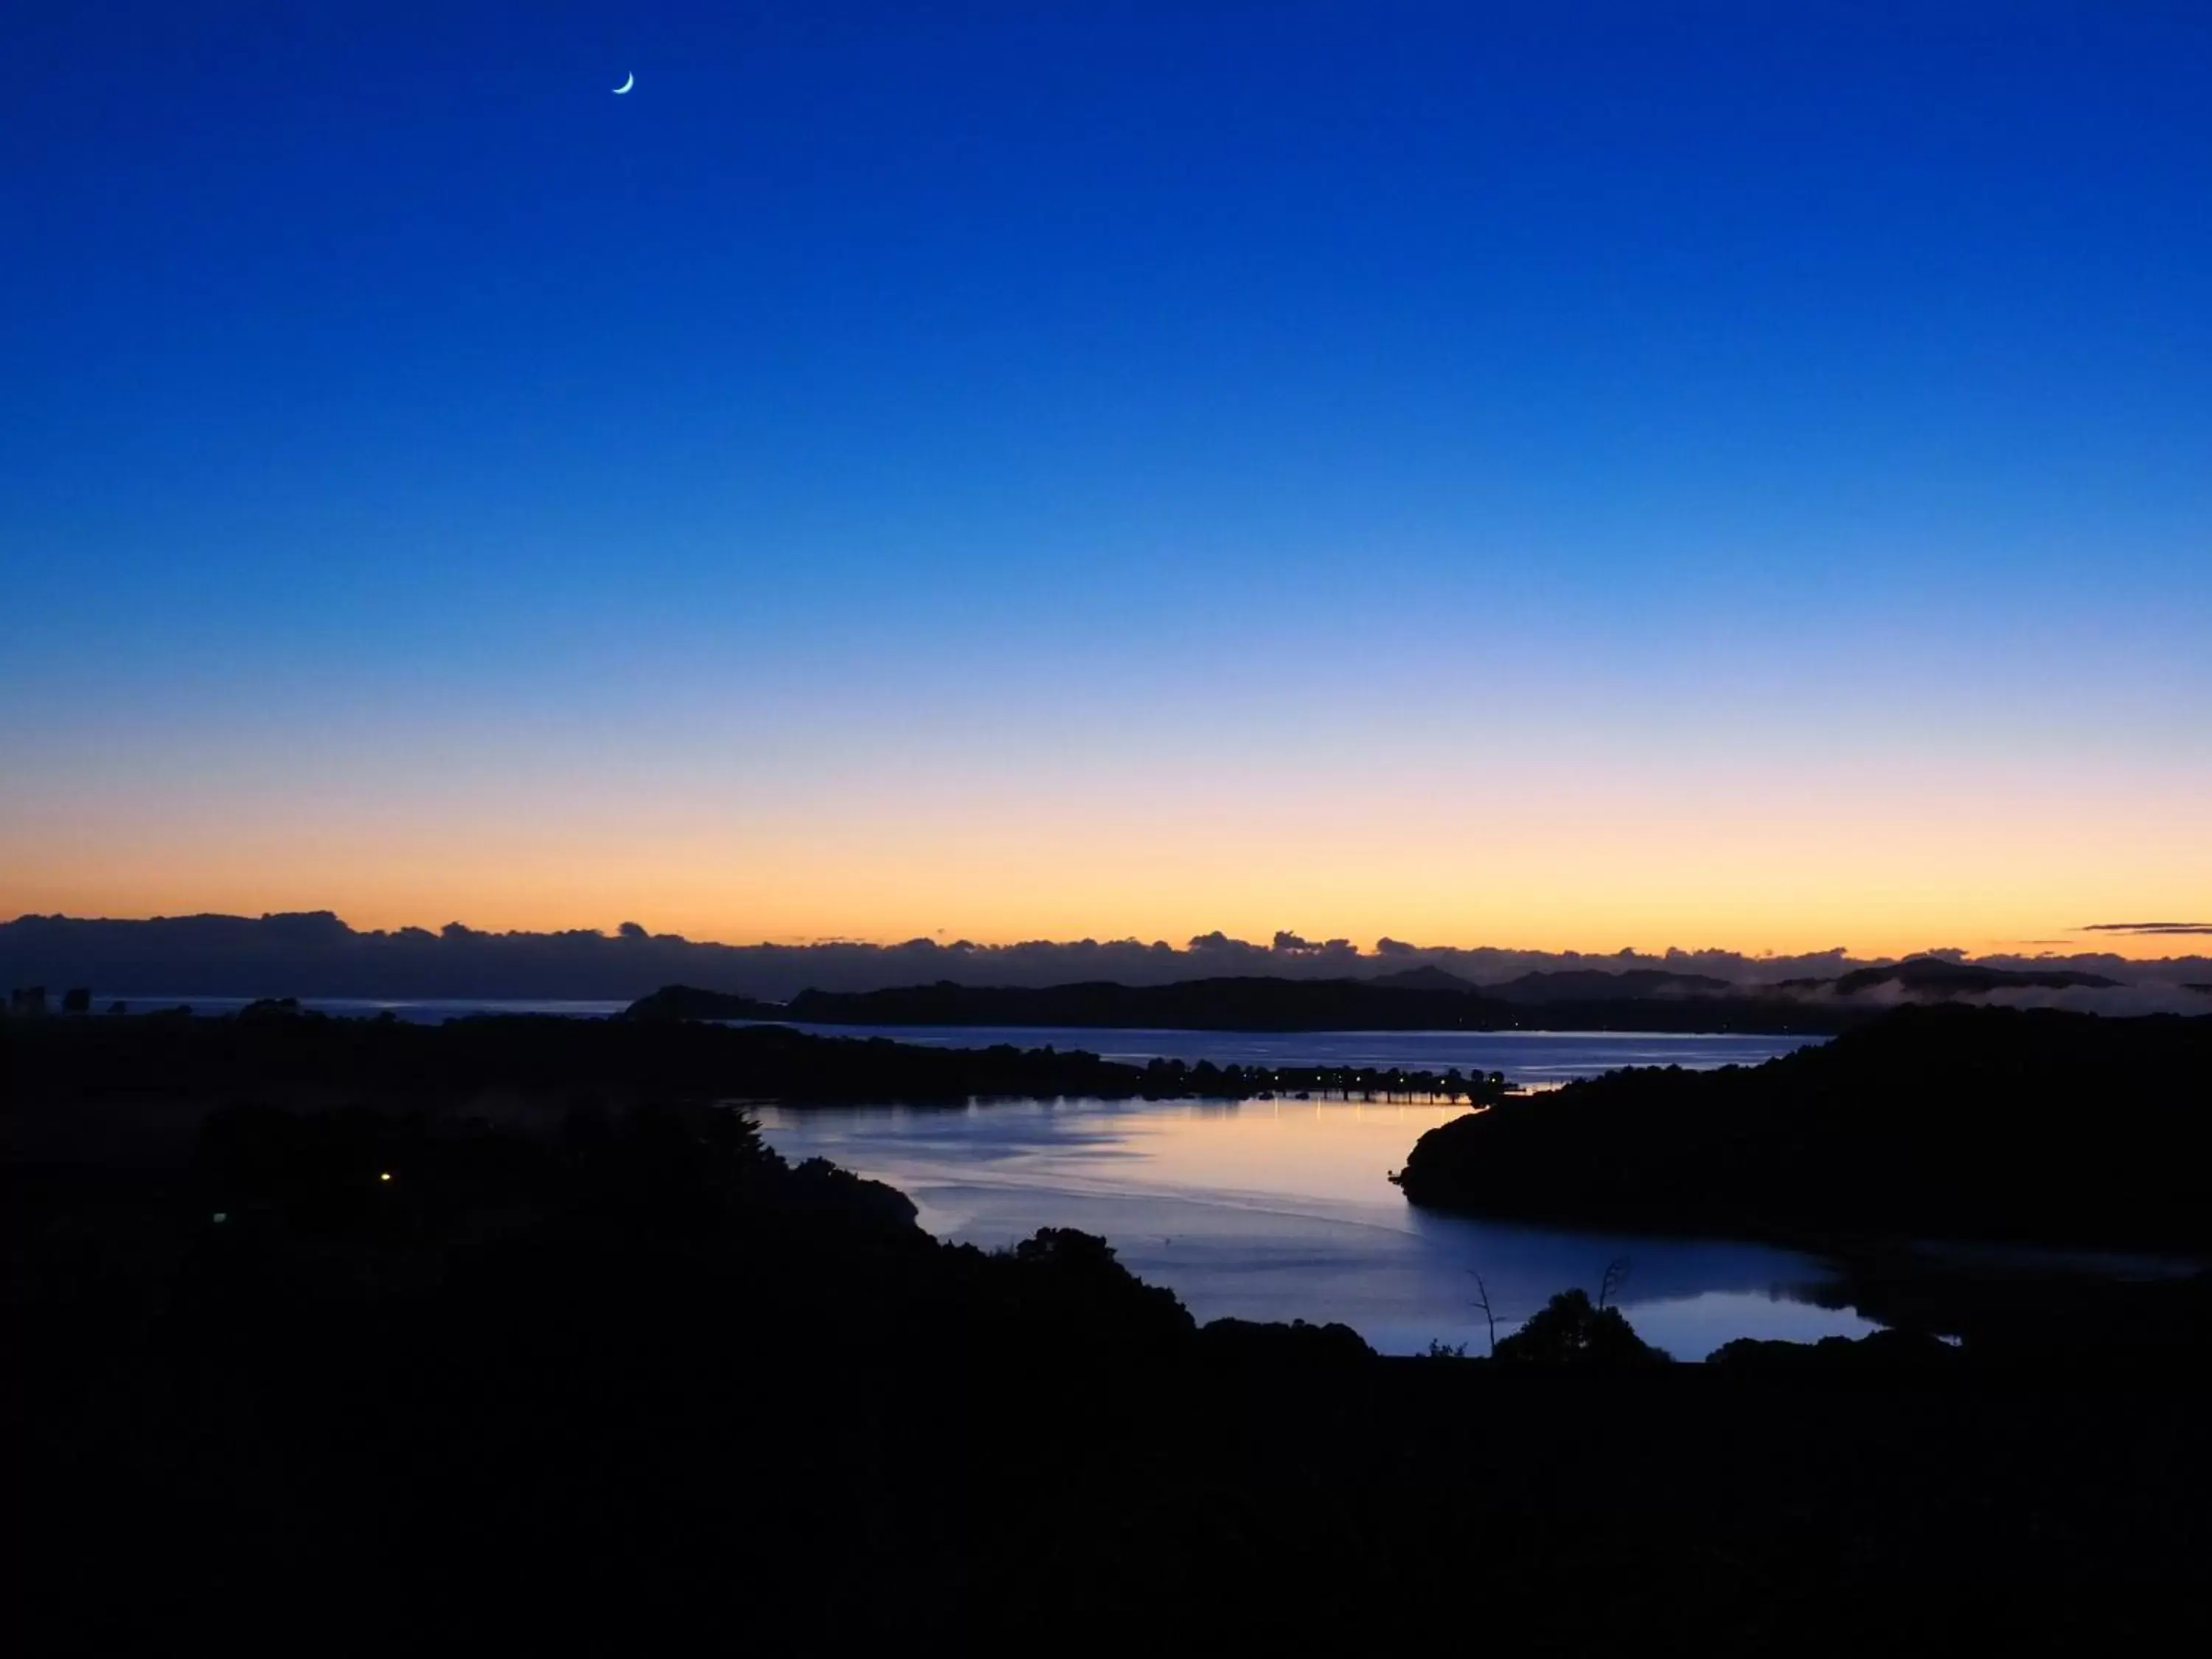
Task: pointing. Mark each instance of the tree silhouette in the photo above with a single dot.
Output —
(1573, 1330)
(1482, 1301)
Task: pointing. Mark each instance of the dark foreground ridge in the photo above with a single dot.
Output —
(539, 1359)
(1949, 1122)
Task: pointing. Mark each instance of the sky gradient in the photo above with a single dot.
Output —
(1562, 475)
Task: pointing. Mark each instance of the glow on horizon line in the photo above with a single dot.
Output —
(2151, 947)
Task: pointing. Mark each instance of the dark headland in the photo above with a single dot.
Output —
(2033, 1126)
(335, 1335)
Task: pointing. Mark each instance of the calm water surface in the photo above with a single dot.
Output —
(1282, 1209)
(1532, 1057)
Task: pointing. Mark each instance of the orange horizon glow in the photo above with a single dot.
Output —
(1593, 849)
(2138, 948)
(1599, 920)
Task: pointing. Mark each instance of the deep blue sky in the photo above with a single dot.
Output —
(1004, 404)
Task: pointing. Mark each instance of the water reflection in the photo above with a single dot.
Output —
(1281, 1209)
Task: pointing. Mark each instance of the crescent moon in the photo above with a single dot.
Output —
(626, 85)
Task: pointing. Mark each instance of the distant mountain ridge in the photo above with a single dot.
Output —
(1568, 985)
(1581, 984)
(316, 954)
(1421, 998)
(1258, 1004)
(1935, 974)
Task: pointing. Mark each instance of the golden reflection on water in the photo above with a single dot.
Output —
(1277, 1209)
(1339, 1153)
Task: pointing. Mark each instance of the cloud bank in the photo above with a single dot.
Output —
(315, 954)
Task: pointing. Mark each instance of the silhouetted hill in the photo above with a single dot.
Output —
(1593, 985)
(1947, 1122)
(689, 1002)
(1223, 1004)
(1390, 1004)
(1926, 976)
(1424, 979)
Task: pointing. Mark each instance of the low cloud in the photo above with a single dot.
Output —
(2102, 999)
(2150, 927)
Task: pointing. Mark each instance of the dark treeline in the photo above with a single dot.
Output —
(273, 1045)
(607, 1374)
(1949, 1122)
(1265, 1005)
